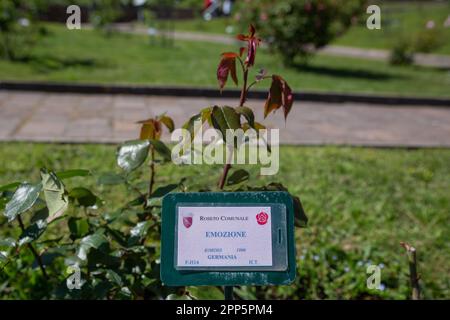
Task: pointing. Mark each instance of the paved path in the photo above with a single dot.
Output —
(431, 60)
(32, 116)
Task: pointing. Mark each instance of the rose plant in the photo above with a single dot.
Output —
(57, 225)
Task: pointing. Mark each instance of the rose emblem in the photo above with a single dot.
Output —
(262, 218)
(188, 219)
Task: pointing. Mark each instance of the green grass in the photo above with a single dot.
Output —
(361, 203)
(399, 20)
(89, 57)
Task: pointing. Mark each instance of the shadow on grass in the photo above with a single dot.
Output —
(50, 63)
(338, 72)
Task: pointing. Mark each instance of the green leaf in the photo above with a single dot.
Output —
(162, 149)
(238, 176)
(33, 232)
(136, 201)
(100, 289)
(258, 126)
(83, 196)
(87, 243)
(162, 191)
(8, 242)
(124, 293)
(300, 218)
(73, 173)
(174, 296)
(3, 256)
(114, 277)
(55, 195)
(78, 227)
(47, 259)
(224, 118)
(138, 232)
(117, 236)
(22, 200)
(206, 115)
(168, 122)
(10, 186)
(41, 214)
(110, 178)
(189, 125)
(132, 154)
(248, 114)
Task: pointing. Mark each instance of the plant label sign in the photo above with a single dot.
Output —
(222, 237)
(227, 238)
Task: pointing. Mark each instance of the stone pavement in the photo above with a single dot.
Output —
(56, 117)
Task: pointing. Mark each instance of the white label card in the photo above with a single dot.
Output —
(224, 237)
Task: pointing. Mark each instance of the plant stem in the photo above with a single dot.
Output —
(223, 177)
(152, 171)
(33, 250)
(413, 277)
(228, 292)
(227, 166)
(255, 82)
(244, 89)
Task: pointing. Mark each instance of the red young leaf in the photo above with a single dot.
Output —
(280, 95)
(229, 55)
(241, 51)
(242, 37)
(151, 129)
(288, 99)
(227, 66)
(252, 44)
(252, 30)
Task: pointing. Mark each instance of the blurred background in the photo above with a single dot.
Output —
(320, 46)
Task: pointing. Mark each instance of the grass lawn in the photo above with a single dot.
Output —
(89, 57)
(361, 203)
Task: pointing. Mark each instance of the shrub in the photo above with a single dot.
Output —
(402, 53)
(428, 40)
(18, 29)
(117, 250)
(294, 28)
(105, 13)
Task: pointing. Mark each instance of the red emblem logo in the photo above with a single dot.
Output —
(187, 219)
(262, 218)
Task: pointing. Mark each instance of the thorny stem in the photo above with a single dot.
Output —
(33, 250)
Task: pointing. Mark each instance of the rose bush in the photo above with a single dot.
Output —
(295, 28)
(56, 225)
